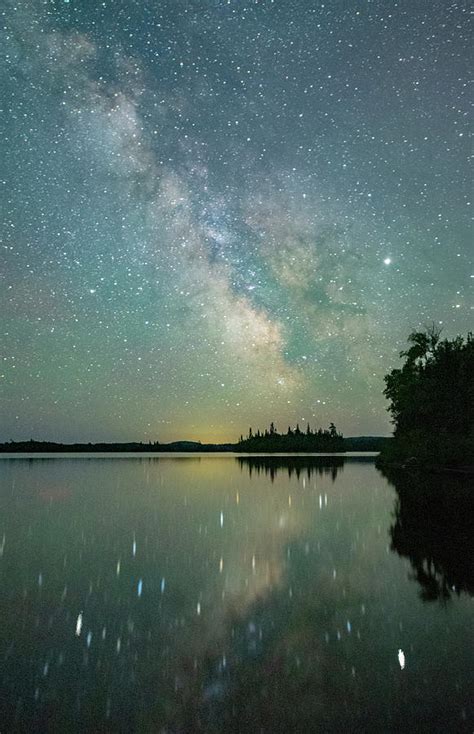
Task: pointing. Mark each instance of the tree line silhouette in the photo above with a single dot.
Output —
(50, 447)
(294, 440)
(432, 401)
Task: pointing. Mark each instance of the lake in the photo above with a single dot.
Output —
(223, 593)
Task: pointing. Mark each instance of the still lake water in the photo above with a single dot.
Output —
(233, 594)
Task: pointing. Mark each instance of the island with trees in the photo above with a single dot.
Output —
(293, 441)
(432, 404)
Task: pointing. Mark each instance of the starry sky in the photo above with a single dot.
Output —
(218, 213)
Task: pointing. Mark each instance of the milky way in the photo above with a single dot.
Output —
(218, 213)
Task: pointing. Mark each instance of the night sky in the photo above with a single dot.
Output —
(218, 213)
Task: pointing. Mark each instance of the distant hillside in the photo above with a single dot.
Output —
(355, 443)
(366, 443)
(45, 447)
(196, 446)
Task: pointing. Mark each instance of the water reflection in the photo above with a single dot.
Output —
(434, 527)
(297, 465)
(300, 465)
(195, 595)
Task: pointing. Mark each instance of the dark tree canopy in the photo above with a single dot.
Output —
(432, 400)
(295, 440)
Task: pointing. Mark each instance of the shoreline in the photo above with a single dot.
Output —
(415, 466)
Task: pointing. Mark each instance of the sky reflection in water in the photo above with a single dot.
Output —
(213, 594)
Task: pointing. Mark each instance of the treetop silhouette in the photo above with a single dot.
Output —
(432, 400)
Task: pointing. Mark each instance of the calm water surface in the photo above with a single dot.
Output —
(233, 594)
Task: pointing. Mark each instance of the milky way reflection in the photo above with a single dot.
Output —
(186, 594)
